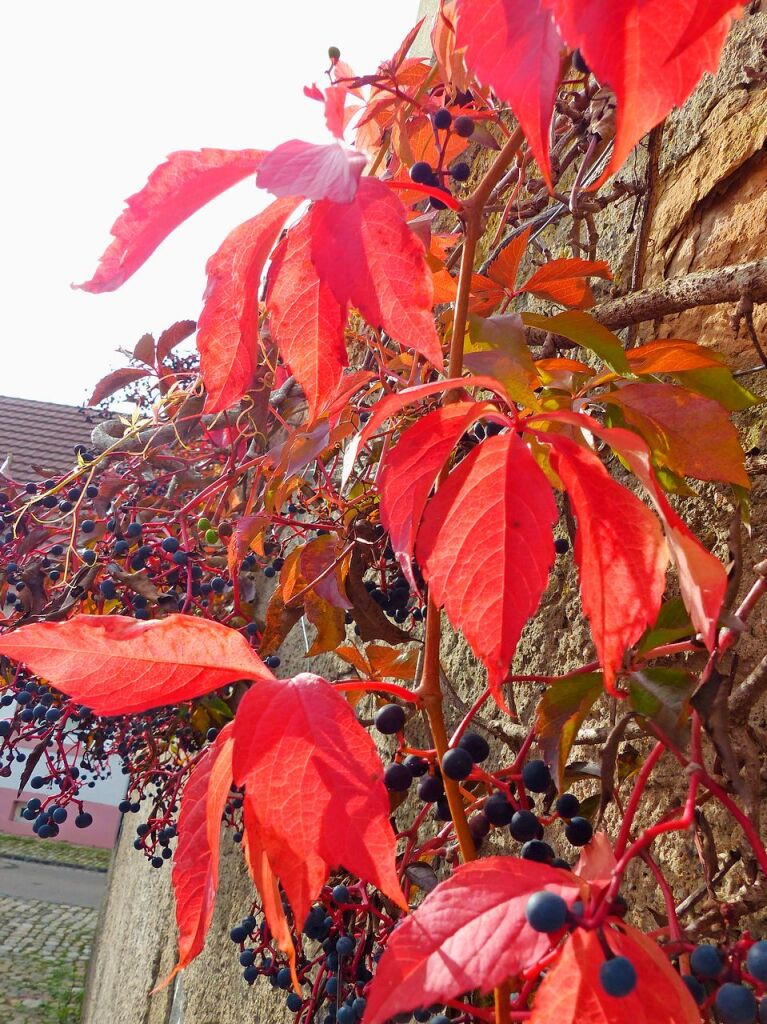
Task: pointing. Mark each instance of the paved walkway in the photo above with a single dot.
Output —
(45, 945)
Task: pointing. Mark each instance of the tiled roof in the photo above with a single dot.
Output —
(42, 434)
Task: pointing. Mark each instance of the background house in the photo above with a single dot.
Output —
(38, 438)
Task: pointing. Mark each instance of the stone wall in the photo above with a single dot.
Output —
(710, 209)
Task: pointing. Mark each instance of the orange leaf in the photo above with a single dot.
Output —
(505, 266)
(671, 355)
(564, 281)
(690, 434)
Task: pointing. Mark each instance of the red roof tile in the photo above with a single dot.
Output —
(42, 434)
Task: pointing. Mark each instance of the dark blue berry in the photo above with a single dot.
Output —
(498, 809)
(536, 776)
(170, 545)
(83, 820)
(294, 1002)
(238, 934)
(331, 987)
(538, 851)
(568, 805)
(524, 826)
(422, 173)
(442, 119)
(457, 764)
(561, 545)
(341, 894)
(579, 831)
(417, 766)
(756, 961)
(247, 957)
(706, 961)
(345, 945)
(430, 788)
(618, 977)
(397, 778)
(390, 719)
(463, 126)
(735, 1004)
(546, 911)
(283, 978)
(60, 815)
(695, 988)
(476, 745)
(346, 1015)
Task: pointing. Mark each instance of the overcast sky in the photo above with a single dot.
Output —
(95, 94)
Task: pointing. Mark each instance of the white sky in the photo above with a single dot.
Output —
(95, 94)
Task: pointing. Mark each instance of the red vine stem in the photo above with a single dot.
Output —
(430, 689)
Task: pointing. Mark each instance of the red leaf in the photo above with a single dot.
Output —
(306, 320)
(571, 992)
(144, 349)
(596, 862)
(652, 54)
(702, 578)
(195, 862)
(116, 381)
(313, 172)
(485, 547)
(410, 470)
(564, 281)
(265, 882)
(173, 336)
(369, 257)
(227, 336)
(689, 433)
(470, 932)
(619, 549)
(175, 190)
(117, 665)
(318, 782)
(514, 47)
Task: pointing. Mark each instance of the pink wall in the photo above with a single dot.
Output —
(101, 833)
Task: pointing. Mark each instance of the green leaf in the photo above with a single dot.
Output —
(662, 695)
(718, 383)
(559, 715)
(673, 623)
(584, 330)
(496, 347)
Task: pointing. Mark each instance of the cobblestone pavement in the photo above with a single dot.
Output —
(44, 950)
(52, 852)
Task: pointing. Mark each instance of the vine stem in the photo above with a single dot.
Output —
(430, 689)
